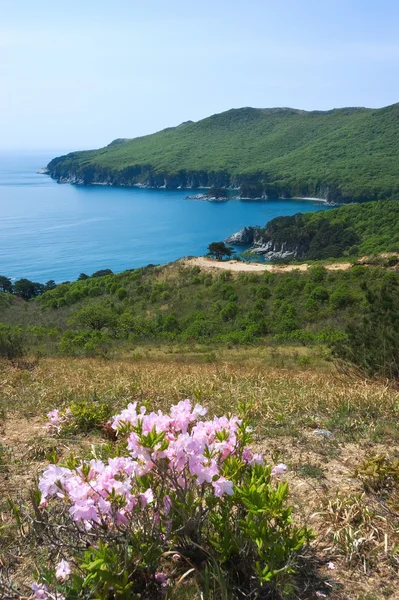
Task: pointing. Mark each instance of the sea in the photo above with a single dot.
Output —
(57, 231)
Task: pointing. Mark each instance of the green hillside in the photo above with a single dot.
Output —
(342, 154)
(178, 304)
(354, 230)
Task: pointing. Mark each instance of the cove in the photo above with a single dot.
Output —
(53, 231)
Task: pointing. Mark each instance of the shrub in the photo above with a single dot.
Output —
(378, 473)
(320, 293)
(175, 497)
(90, 343)
(341, 297)
(229, 311)
(372, 343)
(95, 316)
(11, 344)
(121, 293)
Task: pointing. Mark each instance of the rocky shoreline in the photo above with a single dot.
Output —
(268, 248)
(70, 169)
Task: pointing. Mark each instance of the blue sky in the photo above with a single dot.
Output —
(78, 74)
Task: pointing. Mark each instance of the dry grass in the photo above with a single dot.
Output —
(358, 531)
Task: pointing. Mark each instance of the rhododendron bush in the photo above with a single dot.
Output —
(175, 499)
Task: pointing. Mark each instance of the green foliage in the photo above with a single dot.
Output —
(343, 154)
(266, 508)
(27, 289)
(378, 473)
(102, 273)
(372, 340)
(353, 231)
(5, 284)
(95, 316)
(219, 250)
(83, 343)
(88, 415)
(121, 293)
(12, 345)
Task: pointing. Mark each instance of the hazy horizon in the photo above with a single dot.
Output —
(78, 76)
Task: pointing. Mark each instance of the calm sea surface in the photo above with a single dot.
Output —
(52, 231)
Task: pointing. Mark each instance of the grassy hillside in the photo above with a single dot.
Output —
(341, 154)
(184, 306)
(336, 487)
(354, 230)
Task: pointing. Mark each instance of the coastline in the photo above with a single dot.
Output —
(323, 200)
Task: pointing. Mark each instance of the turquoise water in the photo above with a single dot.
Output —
(52, 231)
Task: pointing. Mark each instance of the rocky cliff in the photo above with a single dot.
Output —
(261, 242)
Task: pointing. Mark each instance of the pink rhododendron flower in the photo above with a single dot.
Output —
(190, 453)
(247, 455)
(223, 486)
(52, 481)
(279, 469)
(199, 410)
(56, 419)
(84, 510)
(147, 497)
(40, 591)
(63, 570)
(167, 504)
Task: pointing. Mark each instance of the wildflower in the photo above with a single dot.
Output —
(279, 469)
(147, 497)
(247, 455)
(331, 565)
(40, 591)
(52, 480)
(84, 510)
(223, 486)
(161, 578)
(199, 410)
(63, 570)
(56, 419)
(167, 504)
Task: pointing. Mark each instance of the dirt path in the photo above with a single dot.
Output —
(235, 265)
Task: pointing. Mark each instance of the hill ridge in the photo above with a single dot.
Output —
(341, 155)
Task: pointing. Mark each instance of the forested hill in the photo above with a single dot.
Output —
(341, 155)
(355, 230)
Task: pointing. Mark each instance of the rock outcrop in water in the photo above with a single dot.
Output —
(244, 237)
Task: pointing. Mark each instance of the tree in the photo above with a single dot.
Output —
(27, 289)
(219, 250)
(49, 285)
(95, 317)
(5, 284)
(82, 277)
(102, 273)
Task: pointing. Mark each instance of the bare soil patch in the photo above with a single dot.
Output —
(238, 266)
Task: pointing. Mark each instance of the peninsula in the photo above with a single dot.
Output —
(341, 155)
